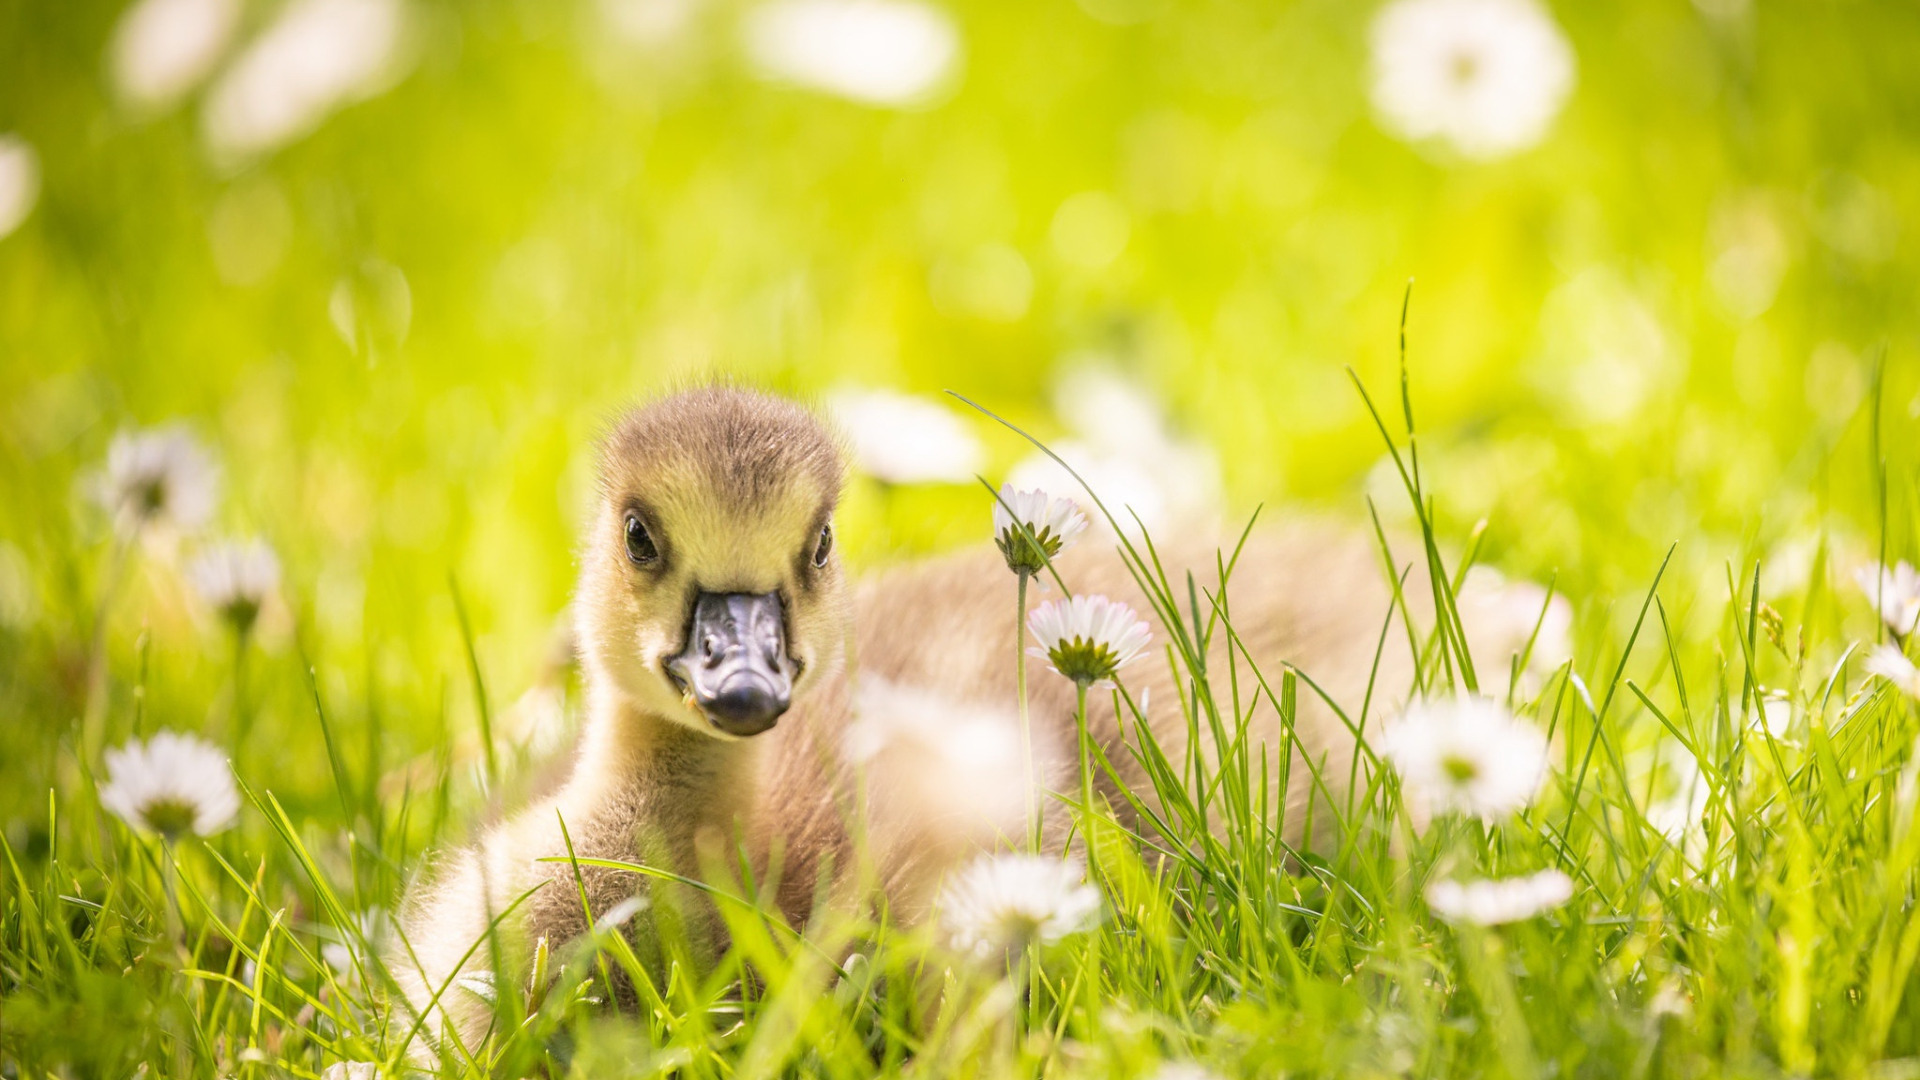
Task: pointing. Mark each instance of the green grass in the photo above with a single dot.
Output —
(1779, 938)
(578, 224)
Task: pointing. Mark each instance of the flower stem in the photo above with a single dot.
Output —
(1086, 775)
(1026, 724)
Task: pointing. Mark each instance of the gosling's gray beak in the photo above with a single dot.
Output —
(735, 667)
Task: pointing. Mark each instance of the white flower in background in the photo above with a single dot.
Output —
(1184, 1070)
(19, 182)
(1002, 903)
(160, 475)
(1681, 816)
(877, 52)
(171, 784)
(1888, 662)
(952, 767)
(343, 952)
(1504, 900)
(1487, 76)
(1030, 527)
(163, 48)
(1774, 717)
(902, 439)
(236, 579)
(351, 1070)
(1501, 615)
(1895, 591)
(1127, 452)
(647, 22)
(1467, 755)
(316, 57)
(1087, 638)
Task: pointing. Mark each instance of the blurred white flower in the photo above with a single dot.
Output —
(316, 57)
(1888, 662)
(343, 952)
(351, 1070)
(877, 52)
(1184, 1070)
(1895, 591)
(1087, 638)
(952, 766)
(1503, 613)
(19, 182)
(171, 784)
(1002, 903)
(1495, 901)
(1030, 527)
(1774, 717)
(1128, 454)
(902, 439)
(236, 579)
(1487, 76)
(1680, 816)
(1465, 754)
(647, 22)
(163, 48)
(159, 476)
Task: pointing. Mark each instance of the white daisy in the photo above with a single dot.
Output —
(341, 951)
(19, 182)
(1465, 754)
(351, 1070)
(876, 52)
(1127, 451)
(1487, 76)
(1002, 903)
(1888, 662)
(160, 475)
(1087, 638)
(1183, 1070)
(236, 579)
(902, 439)
(317, 56)
(163, 48)
(171, 784)
(1495, 901)
(1895, 591)
(953, 766)
(1774, 717)
(1054, 524)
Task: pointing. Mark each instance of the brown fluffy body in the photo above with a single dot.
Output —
(735, 488)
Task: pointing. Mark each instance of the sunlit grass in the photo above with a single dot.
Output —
(1767, 928)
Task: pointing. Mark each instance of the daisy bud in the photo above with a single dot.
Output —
(1031, 529)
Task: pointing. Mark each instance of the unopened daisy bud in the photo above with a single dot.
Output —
(171, 784)
(1496, 901)
(1087, 638)
(158, 476)
(1467, 755)
(1891, 664)
(1002, 903)
(1031, 529)
(236, 579)
(1896, 592)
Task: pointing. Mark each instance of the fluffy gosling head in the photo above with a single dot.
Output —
(710, 591)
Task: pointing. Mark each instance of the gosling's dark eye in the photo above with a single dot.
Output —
(639, 545)
(821, 552)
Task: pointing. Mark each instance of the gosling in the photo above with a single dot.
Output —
(714, 625)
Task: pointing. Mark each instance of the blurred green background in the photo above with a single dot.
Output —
(400, 318)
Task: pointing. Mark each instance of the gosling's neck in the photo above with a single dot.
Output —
(631, 755)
